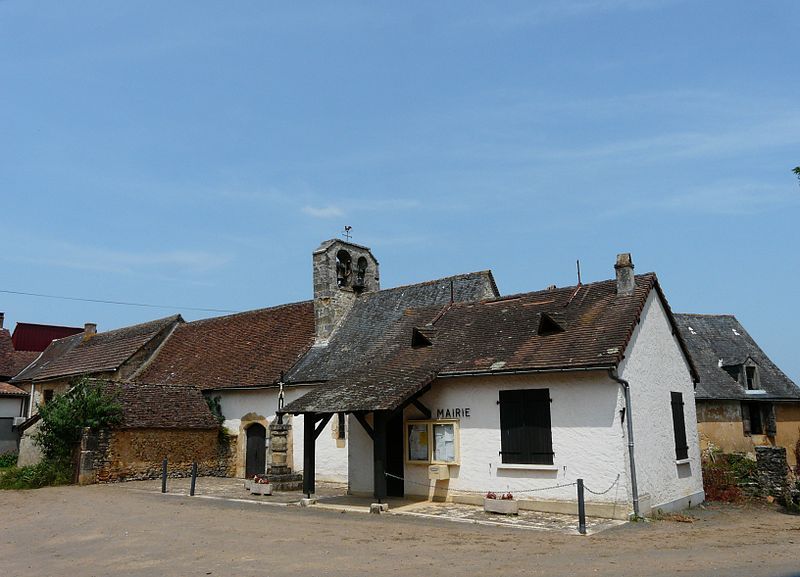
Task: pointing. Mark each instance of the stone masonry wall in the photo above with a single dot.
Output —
(772, 470)
(135, 454)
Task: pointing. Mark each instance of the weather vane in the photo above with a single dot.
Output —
(346, 234)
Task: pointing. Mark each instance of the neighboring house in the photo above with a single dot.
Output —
(37, 337)
(114, 355)
(526, 393)
(743, 399)
(158, 421)
(12, 398)
(240, 359)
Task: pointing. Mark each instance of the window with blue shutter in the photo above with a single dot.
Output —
(525, 433)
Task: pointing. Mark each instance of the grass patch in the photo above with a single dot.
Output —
(36, 476)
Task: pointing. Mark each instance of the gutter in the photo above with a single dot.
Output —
(522, 371)
(631, 456)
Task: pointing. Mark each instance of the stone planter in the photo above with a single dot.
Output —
(261, 489)
(248, 484)
(501, 506)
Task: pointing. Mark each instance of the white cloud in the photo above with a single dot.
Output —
(322, 211)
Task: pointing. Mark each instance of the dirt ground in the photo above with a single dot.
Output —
(109, 530)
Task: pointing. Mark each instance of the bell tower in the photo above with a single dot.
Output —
(342, 272)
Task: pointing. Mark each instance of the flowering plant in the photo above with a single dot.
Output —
(261, 479)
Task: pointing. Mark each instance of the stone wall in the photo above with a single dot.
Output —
(772, 470)
(134, 454)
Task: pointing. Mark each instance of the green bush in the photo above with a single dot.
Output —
(8, 459)
(43, 474)
(63, 419)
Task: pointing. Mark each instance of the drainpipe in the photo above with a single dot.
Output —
(30, 404)
(627, 389)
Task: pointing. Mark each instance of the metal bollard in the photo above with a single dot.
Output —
(581, 509)
(164, 475)
(194, 479)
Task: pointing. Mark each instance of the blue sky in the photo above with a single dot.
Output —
(194, 153)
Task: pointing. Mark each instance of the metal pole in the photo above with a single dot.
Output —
(164, 475)
(581, 509)
(194, 479)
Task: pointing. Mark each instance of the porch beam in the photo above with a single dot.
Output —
(422, 408)
(363, 421)
(379, 420)
(309, 445)
(322, 423)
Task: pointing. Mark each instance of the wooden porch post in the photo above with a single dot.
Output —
(309, 444)
(379, 421)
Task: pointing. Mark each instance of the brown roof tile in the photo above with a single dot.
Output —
(491, 336)
(241, 350)
(105, 351)
(9, 390)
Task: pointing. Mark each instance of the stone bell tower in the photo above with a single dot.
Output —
(342, 271)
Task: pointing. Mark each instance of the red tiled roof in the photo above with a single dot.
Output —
(146, 406)
(9, 390)
(102, 352)
(12, 361)
(35, 337)
(240, 350)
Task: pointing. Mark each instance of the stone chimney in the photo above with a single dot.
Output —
(342, 272)
(626, 283)
(89, 330)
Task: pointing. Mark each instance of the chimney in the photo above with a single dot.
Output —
(89, 330)
(2, 319)
(626, 283)
(342, 272)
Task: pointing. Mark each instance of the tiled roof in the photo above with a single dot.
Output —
(11, 360)
(146, 406)
(240, 350)
(36, 337)
(102, 352)
(373, 314)
(9, 390)
(718, 341)
(492, 336)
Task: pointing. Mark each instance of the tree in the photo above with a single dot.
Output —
(796, 170)
(87, 404)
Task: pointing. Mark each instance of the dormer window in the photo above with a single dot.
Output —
(750, 378)
(548, 326)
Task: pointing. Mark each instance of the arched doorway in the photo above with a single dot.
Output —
(256, 455)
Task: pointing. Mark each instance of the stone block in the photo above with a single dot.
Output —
(378, 508)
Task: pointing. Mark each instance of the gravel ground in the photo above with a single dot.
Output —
(106, 530)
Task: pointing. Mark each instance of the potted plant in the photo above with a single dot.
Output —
(261, 485)
(503, 504)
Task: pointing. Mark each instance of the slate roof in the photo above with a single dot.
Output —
(9, 390)
(240, 350)
(714, 337)
(373, 314)
(12, 361)
(102, 352)
(486, 337)
(36, 337)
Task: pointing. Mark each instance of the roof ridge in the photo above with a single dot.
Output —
(729, 315)
(433, 281)
(241, 313)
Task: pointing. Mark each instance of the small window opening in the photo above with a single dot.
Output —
(344, 268)
(420, 339)
(48, 395)
(750, 377)
(340, 431)
(548, 326)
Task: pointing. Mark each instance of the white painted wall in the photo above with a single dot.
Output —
(654, 366)
(588, 439)
(11, 406)
(331, 459)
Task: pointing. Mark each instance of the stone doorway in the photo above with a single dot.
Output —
(256, 453)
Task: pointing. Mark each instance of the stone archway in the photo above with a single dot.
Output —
(245, 423)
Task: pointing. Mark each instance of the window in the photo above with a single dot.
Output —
(432, 442)
(340, 426)
(48, 395)
(679, 426)
(750, 378)
(525, 433)
(758, 419)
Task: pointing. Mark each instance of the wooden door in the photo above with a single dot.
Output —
(256, 456)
